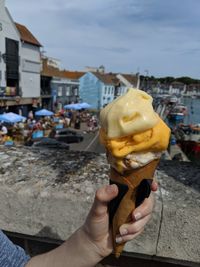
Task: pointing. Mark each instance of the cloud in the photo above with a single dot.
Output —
(122, 35)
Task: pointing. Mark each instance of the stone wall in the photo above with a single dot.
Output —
(47, 193)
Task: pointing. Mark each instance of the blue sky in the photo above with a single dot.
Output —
(161, 38)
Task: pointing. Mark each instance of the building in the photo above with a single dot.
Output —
(20, 65)
(58, 87)
(99, 89)
(177, 88)
(72, 91)
(49, 73)
(100, 69)
(129, 80)
(126, 81)
(192, 90)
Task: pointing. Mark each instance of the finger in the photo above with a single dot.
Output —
(144, 209)
(103, 196)
(135, 227)
(154, 186)
(122, 239)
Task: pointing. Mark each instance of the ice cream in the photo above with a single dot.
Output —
(134, 137)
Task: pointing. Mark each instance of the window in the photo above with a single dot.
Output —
(105, 90)
(68, 91)
(76, 91)
(108, 90)
(60, 91)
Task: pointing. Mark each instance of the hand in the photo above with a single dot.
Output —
(93, 241)
(97, 228)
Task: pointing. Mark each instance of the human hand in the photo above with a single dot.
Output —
(96, 226)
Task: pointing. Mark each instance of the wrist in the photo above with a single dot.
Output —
(80, 245)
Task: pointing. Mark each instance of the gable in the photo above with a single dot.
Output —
(26, 35)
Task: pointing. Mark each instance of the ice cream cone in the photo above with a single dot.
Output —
(133, 188)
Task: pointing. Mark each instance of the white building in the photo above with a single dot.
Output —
(126, 81)
(20, 64)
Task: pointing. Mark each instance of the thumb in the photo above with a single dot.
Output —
(103, 196)
(154, 186)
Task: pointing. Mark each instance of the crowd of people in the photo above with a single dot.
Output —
(33, 127)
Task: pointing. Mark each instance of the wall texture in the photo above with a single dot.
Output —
(47, 193)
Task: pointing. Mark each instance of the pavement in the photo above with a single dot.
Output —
(90, 141)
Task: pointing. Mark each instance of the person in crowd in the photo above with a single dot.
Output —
(89, 124)
(31, 123)
(68, 117)
(90, 243)
(77, 122)
(67, 121)
(94, 123)
(3, 131)
(30, 115)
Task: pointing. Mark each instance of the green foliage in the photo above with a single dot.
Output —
(170, 79)
(187, 80)
(167, 79)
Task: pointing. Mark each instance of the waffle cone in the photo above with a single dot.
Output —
(131, 181)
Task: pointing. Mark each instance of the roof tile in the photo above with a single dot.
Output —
(26, 35)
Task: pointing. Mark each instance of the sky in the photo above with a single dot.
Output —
(153, 37)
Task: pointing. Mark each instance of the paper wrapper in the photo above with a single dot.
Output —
(133, 187)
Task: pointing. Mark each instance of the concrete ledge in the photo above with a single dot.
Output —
(47, 193)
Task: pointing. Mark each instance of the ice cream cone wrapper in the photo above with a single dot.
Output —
(133, 188)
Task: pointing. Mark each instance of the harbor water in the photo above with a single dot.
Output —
(193, 105)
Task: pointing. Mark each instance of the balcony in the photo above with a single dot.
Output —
(8, 92)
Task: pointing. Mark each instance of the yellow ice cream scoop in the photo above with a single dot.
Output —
(128, 114)
(154, 140)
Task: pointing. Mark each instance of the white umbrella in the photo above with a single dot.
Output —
(11, 117)
(44, 112)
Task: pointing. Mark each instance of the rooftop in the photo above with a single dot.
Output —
(26, 35)
(107, 78)
(51, 71)
(130, 78)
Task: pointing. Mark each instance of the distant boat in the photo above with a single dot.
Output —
(176, 116)
(188, 136)
(178, 113)
(173, 99)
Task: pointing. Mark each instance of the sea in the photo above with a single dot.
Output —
(193, 105)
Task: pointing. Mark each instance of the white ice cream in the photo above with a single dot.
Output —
(134, 160)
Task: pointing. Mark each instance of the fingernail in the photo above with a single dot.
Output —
(110, 188)
(123, 231)
(118, 239)
(137, 216)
